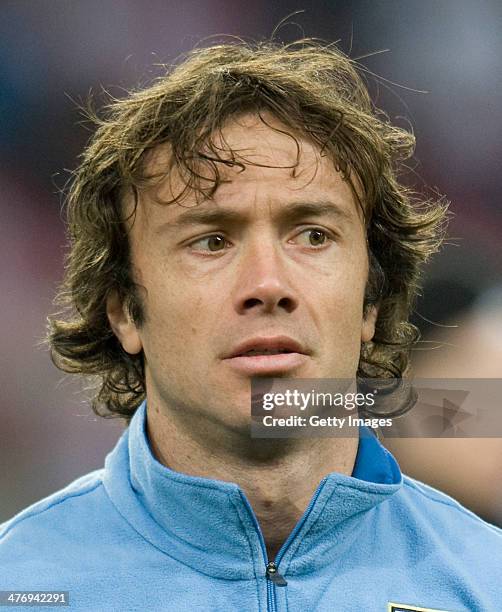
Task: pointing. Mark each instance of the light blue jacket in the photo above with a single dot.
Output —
(139, 536)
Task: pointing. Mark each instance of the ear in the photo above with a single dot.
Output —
(122, 324)
(369, 321)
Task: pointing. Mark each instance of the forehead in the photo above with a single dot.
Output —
(273, 166)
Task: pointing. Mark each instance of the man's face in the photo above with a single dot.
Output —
(265, 279)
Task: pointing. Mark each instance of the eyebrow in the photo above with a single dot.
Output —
(290, 213)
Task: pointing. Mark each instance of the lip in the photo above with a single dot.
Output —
(267, 343)
(267, 364)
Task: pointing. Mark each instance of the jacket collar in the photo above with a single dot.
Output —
(209, 524)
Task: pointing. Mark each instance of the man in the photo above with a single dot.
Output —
(241, 218)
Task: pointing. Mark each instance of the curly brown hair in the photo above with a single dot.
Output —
(316, 92)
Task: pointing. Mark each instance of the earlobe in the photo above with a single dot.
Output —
(369, 322)
(122, 324)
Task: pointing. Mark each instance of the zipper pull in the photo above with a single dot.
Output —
(274, 576)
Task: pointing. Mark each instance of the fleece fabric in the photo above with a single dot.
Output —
(139, 536)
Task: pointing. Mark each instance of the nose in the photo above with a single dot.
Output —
(263, 284)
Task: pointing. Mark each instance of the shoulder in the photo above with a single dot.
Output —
(76, 494)
(431, 510)
(49, 537)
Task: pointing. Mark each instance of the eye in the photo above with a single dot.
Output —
(212, 243)
(312, 236)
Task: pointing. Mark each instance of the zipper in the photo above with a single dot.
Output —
(274, 578)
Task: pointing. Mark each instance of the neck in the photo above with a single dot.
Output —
(278, 477)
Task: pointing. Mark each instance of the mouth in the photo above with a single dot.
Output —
(255, 352)
(275, 355)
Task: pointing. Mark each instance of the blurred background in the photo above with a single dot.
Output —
(54, 52)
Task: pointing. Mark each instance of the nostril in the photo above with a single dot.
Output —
(287, 304)
(251, 302)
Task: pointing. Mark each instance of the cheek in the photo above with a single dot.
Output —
(177, 316)
(343, 294)
(338, 308)
(345, 319)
